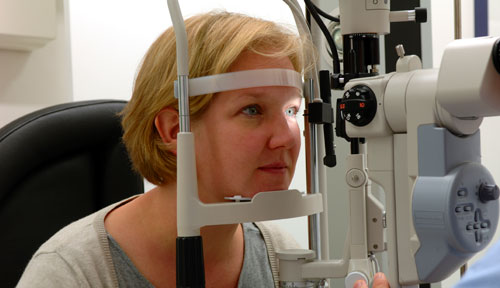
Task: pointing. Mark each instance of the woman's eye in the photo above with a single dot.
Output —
(291, 112)
(251, 110)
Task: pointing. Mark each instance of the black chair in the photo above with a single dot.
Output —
(57, 165)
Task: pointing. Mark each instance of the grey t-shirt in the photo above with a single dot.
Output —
(256, 271)
(79, 255)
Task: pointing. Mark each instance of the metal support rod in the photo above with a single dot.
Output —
(182, 92)
(458, 19)
(314, 220)
(313, 175)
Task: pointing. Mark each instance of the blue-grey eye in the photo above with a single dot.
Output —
(291, 112)
(251, 110)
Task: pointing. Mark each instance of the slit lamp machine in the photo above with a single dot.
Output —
(413, 132)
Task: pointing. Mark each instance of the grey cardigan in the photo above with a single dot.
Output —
(79, 254)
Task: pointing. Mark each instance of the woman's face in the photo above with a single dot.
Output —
(248, 140)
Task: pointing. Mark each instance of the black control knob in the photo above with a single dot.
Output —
(358, 105)
(495, 55)
(488, 192)
(420, 15)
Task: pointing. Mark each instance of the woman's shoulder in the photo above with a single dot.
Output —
(276, 236)
(77, 234)
(78, 252)
(276, 239)
(65, 258)
(86, 232)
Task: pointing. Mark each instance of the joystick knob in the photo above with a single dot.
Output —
(488, 192)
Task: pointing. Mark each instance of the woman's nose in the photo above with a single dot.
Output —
(285, 132)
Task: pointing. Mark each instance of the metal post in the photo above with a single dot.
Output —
(182, 92)
(458, 19)
(314, 220)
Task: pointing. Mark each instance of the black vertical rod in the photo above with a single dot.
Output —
(189, 259)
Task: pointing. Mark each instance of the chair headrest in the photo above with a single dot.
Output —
(54, 132)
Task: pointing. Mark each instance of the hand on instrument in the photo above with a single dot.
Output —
(379, 281)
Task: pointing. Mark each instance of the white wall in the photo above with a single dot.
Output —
(442, 26)
(36, 79)
(109, 38)
(494, 18)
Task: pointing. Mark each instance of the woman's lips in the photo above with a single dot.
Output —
(276, 167)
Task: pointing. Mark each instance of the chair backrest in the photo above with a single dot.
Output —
(57, 165)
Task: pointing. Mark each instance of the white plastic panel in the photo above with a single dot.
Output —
(27, 24)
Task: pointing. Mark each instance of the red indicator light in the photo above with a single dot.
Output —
(362, 105)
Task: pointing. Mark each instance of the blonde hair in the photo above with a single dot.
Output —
(215, 40)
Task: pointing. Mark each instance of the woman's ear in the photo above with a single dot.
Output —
(167, 125)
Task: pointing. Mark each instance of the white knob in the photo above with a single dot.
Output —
(353, 277)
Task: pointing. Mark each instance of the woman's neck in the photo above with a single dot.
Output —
(147, 227)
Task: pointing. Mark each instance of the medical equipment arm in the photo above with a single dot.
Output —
(190, 270)
(422, 149)
(439, 217)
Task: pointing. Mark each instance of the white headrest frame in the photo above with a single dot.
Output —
(243, 79)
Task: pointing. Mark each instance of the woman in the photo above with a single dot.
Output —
(247, 141)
